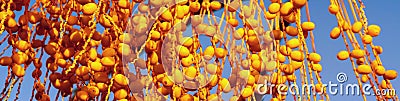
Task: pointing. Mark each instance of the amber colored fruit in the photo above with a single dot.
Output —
(11, 23)
(299, 3)
(211, 68)
(81, 71)
(297, 55)
(187, 61)
(183, 51)
(190, 73)
(96, 66)
(225, 85)
(186, 97)
(364, 78)
(6, 61)
(277, 34)
(247, 92)
(82, 95)
(315, 57)
(93, 91)
(320, 87)
(121, 80)
(367, 39)
(215, 5)
(220, 52)
(378, 49)
(308, 26)
(239, 33)
(293, 43)
(105, 21)
(343, 55)
(76, 37)
(18, 70)
(335, 33)
(333, 9)
(286, 8)
(274, 8)
(390, 75)
(373, 30)
(356, 27)
(194, 6)
(120, 94)
(166, 81)
(357, 53)
(281, 58)
(89, 8)
(108, 61)
(292, 31)
(123, 4)
(285, 50)
(166, 15)
(379, 70)
(270, 16)
(364, 69)
(19, 58)
(317, 67)
(384, 84)
(233, 22)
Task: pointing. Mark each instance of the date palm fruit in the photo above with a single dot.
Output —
(317, 67)
(123, 4)
(357, 53)
(120, 94)
(373, 30)
(121, 79)
(364, 78)
(18, 70)
(333, 9)
(270, 16)
(215, 5)
(6, 61)
(274, 8)
(293, 43)
(285, 50)
(379, 70)
(356, 27)
(89, 8)
(367, 39)
(166, 81)
(190, 73)
(286, 8)
(82, 95)
(343, 55)
(220, 52)
(315, 57)
(225, 85)
(297, 55)
(335, 33)
(183, 51)
(299, 3)
(364, 69)
(292, 31)
(233, 22)
(211, 68)
(390, 75)
(308, 26)
(247, 92)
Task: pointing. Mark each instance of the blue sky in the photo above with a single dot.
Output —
(385, 14)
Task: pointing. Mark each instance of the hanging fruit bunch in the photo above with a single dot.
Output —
(360, 50)
(132, 50)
